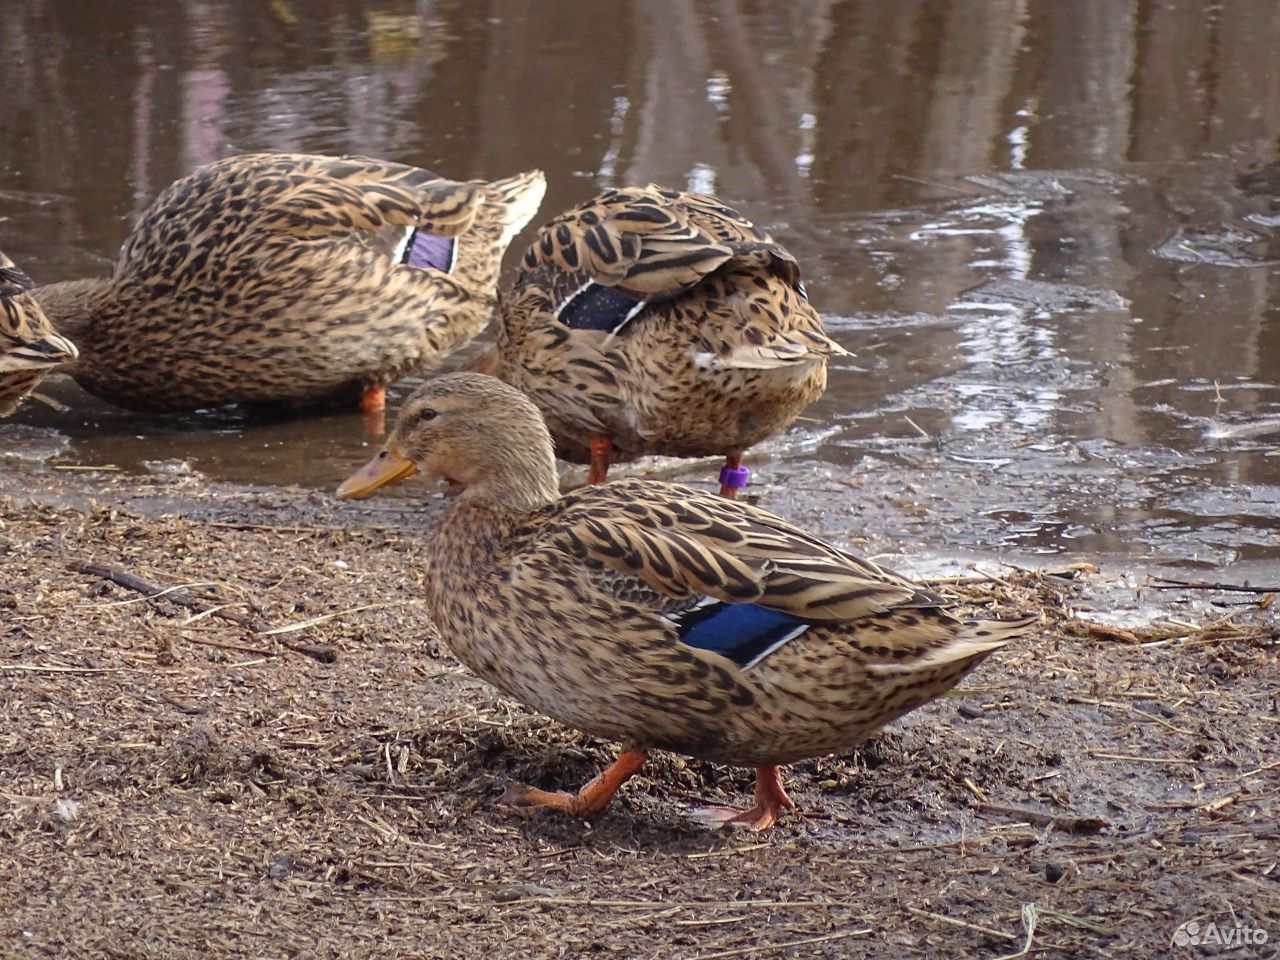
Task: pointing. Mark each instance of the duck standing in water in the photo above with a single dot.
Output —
(288, 278)
(29, 347)
(656, 615)
(652, 321)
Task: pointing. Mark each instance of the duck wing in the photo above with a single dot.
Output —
(325, 195)
(674, 546)
(595, 269)
(727, 578)
(247, 204)
(600, 263)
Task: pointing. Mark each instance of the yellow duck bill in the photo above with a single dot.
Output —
(385, 468)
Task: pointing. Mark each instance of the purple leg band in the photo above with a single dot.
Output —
(735, 477)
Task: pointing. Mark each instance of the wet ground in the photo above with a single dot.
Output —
(1053, 259)
(277, 756)
(1046, 231)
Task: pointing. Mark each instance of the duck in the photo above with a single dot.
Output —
(657, 615)
(29, 346)
(649, 321)
(284, 280)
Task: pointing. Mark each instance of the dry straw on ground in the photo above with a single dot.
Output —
(276, 756)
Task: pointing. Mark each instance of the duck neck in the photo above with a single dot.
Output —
(514, 479)
(72, 305)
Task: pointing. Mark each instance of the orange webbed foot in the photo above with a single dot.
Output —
(588, 801)
(771, 800)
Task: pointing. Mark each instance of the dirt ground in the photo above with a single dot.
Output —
(316, 777)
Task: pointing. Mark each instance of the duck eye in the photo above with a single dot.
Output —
(427, 414)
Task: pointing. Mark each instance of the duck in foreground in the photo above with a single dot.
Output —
(657, 615)
(290, 278)
(653, 321)
(29, 347)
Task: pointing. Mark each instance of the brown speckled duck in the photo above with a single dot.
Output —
(657, 615)
(650, 321)
(287, 278)
(29, 347)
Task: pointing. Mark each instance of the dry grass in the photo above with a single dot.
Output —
(180, 784)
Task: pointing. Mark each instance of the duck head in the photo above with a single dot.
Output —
(484, 437)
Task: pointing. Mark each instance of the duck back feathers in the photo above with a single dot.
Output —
(664, 320)
(292, 278)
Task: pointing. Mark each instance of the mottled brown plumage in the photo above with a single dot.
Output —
(276, 278)
(656, 615)
(662, 322)
(29, 347)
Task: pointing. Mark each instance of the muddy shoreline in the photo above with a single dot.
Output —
(180, 784)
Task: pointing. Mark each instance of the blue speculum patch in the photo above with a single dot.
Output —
(596, 307)
(744, 632)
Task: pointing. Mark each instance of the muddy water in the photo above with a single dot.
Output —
(1047, 231)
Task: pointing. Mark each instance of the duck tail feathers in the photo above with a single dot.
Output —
(514, 201)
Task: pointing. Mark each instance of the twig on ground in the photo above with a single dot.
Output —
(38, 668)
(1102, 631)
(1029, 917)
(132, 581)
(919, 429)
(783, 945)
(1130, 758)
(236, 647)
(1035, 818)
(325, 617)
(963, 924)
(1164, 583)
(267, 527)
